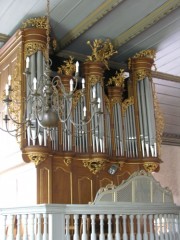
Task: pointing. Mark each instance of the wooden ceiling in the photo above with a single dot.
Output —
(131, 25)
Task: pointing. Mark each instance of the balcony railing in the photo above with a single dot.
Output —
(138, 209)
(64, 222)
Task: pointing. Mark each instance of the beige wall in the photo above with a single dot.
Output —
(169, 174)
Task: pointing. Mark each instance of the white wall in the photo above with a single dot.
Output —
(169, 174)
(18, 186)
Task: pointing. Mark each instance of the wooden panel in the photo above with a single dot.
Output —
(62, 186)
(44, 185)
(85, 189)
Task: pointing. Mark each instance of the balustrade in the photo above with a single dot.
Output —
(119, 222)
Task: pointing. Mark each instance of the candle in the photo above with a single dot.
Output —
(71, 85)
(84, 111)
(35, 83)
(99, 103)
(7, 89)
(77, 67)
(94, 92)
(9, 80)
(27, 62)
(83, 83)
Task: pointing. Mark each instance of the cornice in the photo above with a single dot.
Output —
(89, 21)
(3, 37)
(146, 22)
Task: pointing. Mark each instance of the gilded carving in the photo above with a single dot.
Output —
(37, 158)
(149, 53)
(68, 68)
(15, 108)
(101, 51)
(118, 79)
(94, 165)
(159, 123)
(141, 74)
(38, 22)
(150, 166)
(127, 103)
(32, 47)
(94, 79)
(67, 161)
(115, 100)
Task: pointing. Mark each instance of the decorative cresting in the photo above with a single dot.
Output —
(35, 35)
(37, 22)
(140, 66)
(101, 51)
(68, 68)
(95, 165)
(151, 166)
(37, 157)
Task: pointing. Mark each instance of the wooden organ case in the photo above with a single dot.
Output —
(120, 136)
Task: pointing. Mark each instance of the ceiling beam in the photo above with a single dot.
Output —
(89, 21)
(146, 22)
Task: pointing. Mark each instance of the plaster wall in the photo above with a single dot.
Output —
(169, 174)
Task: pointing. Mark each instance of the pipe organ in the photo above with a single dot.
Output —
(99, 126)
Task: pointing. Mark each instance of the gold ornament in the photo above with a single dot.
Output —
(94, 165)
(32, 47)
(127, 103)
(118, 79)
(67, 161)
(150, 166)
(37, 158)
(101, 51)
(68, 68)
(38, 22)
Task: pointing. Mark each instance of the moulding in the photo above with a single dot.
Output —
(146, 22)
(171, 139)
(165, 76)
(3, 37)
(90, 20)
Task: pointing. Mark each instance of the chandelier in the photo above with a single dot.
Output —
(48, 101)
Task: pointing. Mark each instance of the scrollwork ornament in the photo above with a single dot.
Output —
(141, 74)
(159, 120)
(67, 161)
(15, 108)
(38, 22)
(94, 79)
(116, 100)
(37, 158)
(150, 166)
(33, 47)
(126, 104)
(94, 165)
